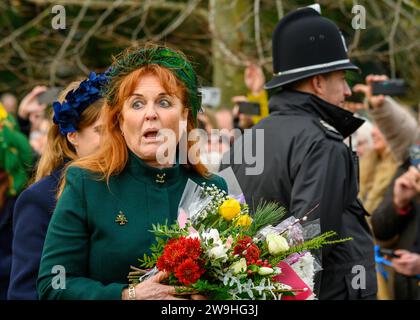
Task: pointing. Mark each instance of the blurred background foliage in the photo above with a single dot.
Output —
(220, 36)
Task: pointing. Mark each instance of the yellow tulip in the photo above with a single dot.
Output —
(244, 221)
(230, 209)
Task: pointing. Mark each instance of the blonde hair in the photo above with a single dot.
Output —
(112, 156)
(58, 148)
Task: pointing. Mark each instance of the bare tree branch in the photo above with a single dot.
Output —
(412, 5)
(80, 64)
(228, 54)
(66, 43)
(257, 31)
(24, 56)
(279, 7)
(97, 25)
(356, 38)
(142, 22)
(192, 4)
(124, 18)
(24, 28)
(391, 38)
(102, 4)
(409, 14)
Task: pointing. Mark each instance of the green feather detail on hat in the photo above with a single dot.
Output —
(159, 55)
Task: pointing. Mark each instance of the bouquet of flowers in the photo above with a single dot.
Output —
(216, 248)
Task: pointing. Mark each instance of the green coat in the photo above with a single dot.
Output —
(85, 239)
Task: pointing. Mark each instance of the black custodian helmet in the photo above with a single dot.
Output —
(306, 44)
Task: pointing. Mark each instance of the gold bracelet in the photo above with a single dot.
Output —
(131, 292)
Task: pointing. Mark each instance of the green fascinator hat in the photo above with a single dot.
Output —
(135, 58)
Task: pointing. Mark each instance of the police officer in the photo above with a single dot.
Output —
(306, 163)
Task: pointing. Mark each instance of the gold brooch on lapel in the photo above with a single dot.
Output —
(121, 219)
(160, 178)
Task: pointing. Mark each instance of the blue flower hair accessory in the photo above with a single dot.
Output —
(67, 114)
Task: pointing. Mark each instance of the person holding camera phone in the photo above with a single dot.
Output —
(396, 225)
(398, 126)
(250, 109)
(400, 131)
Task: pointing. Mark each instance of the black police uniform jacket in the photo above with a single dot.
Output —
(307, 164)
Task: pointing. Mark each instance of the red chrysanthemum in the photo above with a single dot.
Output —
(192, 247)
(173, 254)
(188, 272)
(178, 250)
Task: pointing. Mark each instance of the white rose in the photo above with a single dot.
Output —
(276, 244)
(239, 266)
(218, 252)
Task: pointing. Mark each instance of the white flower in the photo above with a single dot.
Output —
(276, 244)
(239, 266)
(212, 234)
(304, 268)
(218, 252)
(264, 271)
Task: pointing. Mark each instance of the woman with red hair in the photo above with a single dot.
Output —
(110, 200)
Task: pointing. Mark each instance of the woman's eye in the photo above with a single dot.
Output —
(164, 103)
(137, 104)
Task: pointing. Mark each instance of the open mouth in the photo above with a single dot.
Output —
(151, 134)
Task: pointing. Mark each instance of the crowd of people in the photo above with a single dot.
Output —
(81, 183)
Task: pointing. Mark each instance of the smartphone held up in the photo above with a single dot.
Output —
(391, 87)
(249, 108)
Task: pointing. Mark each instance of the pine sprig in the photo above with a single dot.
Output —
(266, 214)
